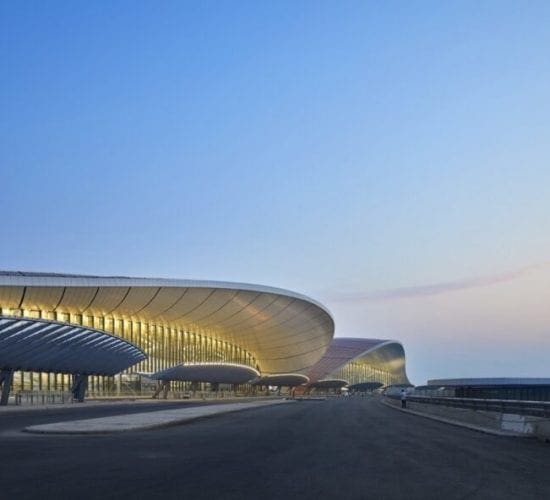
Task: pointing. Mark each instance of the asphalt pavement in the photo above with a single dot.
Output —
(346, 448)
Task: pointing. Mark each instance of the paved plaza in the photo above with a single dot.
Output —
(346, 448)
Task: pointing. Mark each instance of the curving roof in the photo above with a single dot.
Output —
(329, 383)
(51, 346)
(282, 379)
(224, 373)
(285, 331)
(386, 354)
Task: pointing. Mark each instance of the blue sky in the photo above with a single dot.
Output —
(340, 149)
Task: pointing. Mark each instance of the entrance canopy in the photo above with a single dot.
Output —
(366, 386)
(49, 346)
(329, 384)
(214, 373)
(283, 379)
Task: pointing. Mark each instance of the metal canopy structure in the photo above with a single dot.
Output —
(283, 379)
(328, 384)
(286, 332)
(213, 373)
(365, 386)
(50, 346)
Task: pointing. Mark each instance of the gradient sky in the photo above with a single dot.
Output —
(390, 159)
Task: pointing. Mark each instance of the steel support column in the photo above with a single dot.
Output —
(6, 378)
(80, 384)
(164, 387)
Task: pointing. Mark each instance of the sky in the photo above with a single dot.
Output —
(389, 159)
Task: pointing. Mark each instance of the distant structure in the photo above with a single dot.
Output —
(120, 335)
(526, 389)
(358, 362)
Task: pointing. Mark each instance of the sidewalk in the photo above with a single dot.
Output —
(458, 423)
(121, 401)
(145, 421)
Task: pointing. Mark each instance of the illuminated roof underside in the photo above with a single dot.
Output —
(387, 355)
(283, 379)
(329, 383)
(49, 346)
(223, 373)
(286, 332)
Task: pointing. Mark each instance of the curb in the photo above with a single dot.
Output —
(96, 429)
(121, 403)
(458, 423)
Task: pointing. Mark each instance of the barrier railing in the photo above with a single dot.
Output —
(534, 408)
(42, 397)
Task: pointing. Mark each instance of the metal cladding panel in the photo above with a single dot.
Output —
(10, 296)
(286, 332)
(282, 379)
(258, 319)
(254, 311)
(390, 356)
(214, 303)
(280, 316)
(135, 300)
(40, 297)
(164, 300)
(282, 352)
(108, 299)
(194, 299)
(329, 383)
(239, 301)
(223, 373)
(77, 299)
(50, 346)
(386, 354)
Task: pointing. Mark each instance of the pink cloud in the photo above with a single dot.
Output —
(435, 288)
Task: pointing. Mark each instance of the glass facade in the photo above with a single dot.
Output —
(360, 371)
(164, 344)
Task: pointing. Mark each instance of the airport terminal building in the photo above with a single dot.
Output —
(178, 331)
(353, 362)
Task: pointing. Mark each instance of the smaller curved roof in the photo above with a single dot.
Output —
(222, 373)
(51, 346)
(282, 379)
(387, 354)
(366, 386)
(329, 383)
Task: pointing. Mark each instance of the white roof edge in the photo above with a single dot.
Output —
(382, 343)
(30, 279)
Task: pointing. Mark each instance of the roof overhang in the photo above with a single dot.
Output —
(329, 384)
(386, 354)
(214, 373)
(366, 386)
(51, 346)
(286, 332)
(282, 379)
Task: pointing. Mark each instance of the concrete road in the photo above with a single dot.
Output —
(17, 418)
(349, 448)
